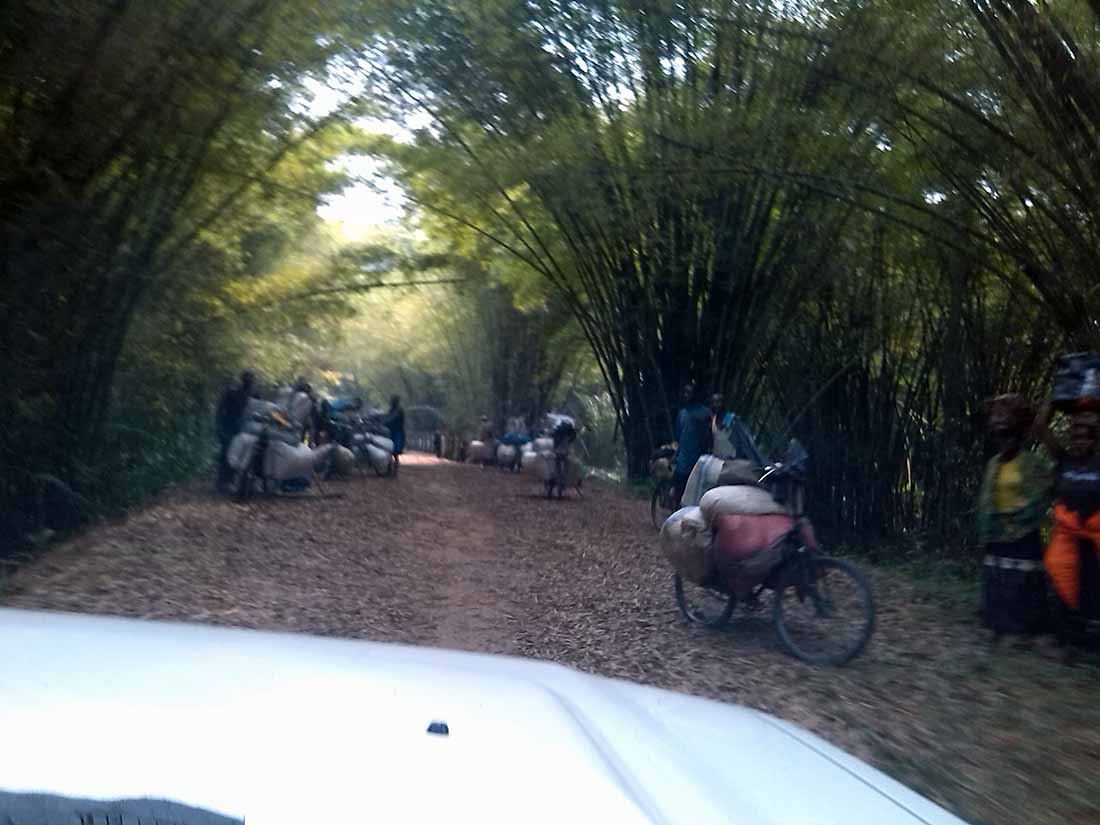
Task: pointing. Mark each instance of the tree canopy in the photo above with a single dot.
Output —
(856, 219)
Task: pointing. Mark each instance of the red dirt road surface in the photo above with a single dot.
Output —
(475, 559)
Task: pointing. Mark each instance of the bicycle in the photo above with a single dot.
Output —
(814, 597)
(663, 502)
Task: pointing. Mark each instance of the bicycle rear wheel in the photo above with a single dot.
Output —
(824, 611)
(661, 505)
(703, 605)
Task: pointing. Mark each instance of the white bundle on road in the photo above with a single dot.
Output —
(479, 452)
(529, 461)
(740, 500)
(506, 454)
(284, 461)
(541, 445)
(343, 460)
(380, 460)
(546, 467)
(381, 442)
(686, 542)
(298, 409)
(241, 448)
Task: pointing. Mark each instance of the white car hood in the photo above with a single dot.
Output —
(285, 728)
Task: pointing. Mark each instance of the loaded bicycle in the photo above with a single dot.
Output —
(662, 502)
(822, 608)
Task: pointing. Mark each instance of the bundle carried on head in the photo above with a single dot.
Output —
(1077, 381)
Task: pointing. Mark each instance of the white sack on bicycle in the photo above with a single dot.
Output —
(739, 501)
(703, 478)
(506, 454)
(546, 468)
(379, 459)
(530, 461)
(343, 460)
(240, 452)
(283, 461)
(686, 543)
(479, 452)
(381, 442)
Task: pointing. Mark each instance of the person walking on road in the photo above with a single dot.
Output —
(693, 436)
(1012, 501)
(228, 422)
(563, 434)
(395, 420)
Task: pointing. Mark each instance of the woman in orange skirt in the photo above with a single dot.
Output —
(1072, 558)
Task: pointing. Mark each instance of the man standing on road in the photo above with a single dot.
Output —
(228, 423)
(395, 420)
(692, 436)
(564, 434)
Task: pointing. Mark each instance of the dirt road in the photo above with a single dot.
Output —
(460, 557)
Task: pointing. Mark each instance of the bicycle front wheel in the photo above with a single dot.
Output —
(703, 605)
(824, 611)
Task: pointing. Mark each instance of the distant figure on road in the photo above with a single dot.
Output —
(564, 434)
(486, 433)
(692, 436)
(395, 420)
(1012, 501)
(228, 423)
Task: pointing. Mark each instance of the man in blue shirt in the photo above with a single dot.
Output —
(692, 436)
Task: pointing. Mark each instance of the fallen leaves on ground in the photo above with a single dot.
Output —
(476, 559)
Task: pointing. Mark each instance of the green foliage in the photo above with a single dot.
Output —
(857, 220)
(153, 156)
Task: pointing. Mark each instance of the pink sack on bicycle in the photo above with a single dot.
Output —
(746, 548)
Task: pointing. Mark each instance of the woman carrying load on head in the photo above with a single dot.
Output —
(1012, 502)
(1072, 558)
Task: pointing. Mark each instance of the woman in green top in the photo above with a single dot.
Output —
(1014, 497)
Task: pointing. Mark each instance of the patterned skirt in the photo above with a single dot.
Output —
(1014, 589)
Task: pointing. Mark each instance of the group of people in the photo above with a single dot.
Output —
(317, 427)
(707, 429)
(1019, 488)
(562, 430)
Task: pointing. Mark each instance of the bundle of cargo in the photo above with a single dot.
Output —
(506, 455)
(740, 500)
(703, 477)
(280, 462)
(543, 444)
(381, 460)
(381, 442)
(546, 469)
(343, 461)
(374, 423)
(732, 538)
(268, 418)
(1077, 382)
(529, 461)
(480, 452)
(686, 542)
